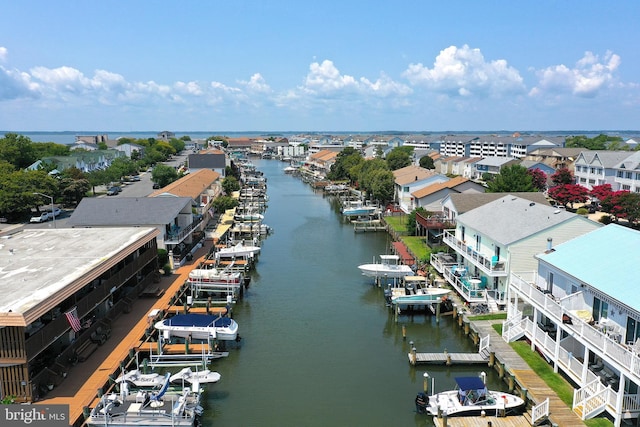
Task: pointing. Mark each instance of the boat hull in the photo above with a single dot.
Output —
(381, 270)
(200, 327)
(448, 403)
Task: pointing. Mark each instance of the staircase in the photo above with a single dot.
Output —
(590, 400)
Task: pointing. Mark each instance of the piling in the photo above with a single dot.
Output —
(404, 332)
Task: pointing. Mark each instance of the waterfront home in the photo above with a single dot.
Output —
(456, 204)
(491, 165)
(580, 308)
(412, 178)
(212, 159)
(499, 237)
(430, 197)
(59, 290)
(515, 145)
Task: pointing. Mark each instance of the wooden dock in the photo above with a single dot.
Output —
(448, 358)
(510, 421)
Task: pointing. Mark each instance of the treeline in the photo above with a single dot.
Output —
(69, 186)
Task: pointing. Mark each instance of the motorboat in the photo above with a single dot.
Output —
(470, 397)
(136, 378)
(415, 290)
(248, 217)
(199, 326)
(201, 377)
(210, 277)
(240, 250)
(358, 209)
(148, 408)
(389, 267)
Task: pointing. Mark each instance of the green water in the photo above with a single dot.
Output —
(319, 347)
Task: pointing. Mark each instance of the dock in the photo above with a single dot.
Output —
(449, 358)
(509, 421)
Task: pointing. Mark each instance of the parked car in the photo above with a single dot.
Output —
(43, 217)
(56, 212)
(156, 185)
(113, 191)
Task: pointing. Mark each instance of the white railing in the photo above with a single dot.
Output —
(470, 294)
(486, 263)
(539, 412)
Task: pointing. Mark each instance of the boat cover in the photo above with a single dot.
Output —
(470, 383)
(201, 320)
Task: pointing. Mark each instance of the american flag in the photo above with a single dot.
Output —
(72, 318)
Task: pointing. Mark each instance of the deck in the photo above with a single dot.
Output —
(511, 421)
(449, 358)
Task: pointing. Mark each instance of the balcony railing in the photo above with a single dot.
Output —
(175, 237)
(488, 264)
(619, 356)
(469, 292)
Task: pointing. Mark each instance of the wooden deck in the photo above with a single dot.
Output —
(511, 421)
(86, 393)
(449, 358)
(179, 309)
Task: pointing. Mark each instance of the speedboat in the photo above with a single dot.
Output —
(199, 326)
(210, 277)
(240, 250)
(388, 266)
(138, 379)
(415, 291)
(199, 377)
(359, 210)
(160, 408)
(470, 397)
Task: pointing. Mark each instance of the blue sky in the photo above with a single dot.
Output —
(319, 66)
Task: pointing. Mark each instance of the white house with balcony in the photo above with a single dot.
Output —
(410, 179)
(595, 167)
(627, 173)
(499, 237)
(580, 308)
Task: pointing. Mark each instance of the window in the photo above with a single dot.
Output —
(550, 282)
(619, 174)
(628, 175)
(600, 309)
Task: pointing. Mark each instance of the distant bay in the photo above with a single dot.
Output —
(69, 137)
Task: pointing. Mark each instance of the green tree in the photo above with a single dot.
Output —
(411, 220)
(230, 184)
(427, 162)
(17, 150)
(223, 203)
(366, 175)
(382, 184)
(345, 161)
(163, 175)
(399, 158)
(73, 190)
(512, 178)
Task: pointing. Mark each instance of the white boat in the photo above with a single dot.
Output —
(202, 377)
(240, 250)
(389, 266)
(415, 291)
(470, 397)
(147, 408)
(138, 379)
(290, 169)
(359, 209)
(199, 326)
(211, 277)
(248, 217)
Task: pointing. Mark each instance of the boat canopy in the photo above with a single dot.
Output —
(470, 383)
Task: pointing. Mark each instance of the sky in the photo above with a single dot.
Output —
(275, 65)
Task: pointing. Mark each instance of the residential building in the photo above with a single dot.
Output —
(455, 204)
(499, 237)
(129, 149)
(627, 173)
(212, 159)
(557, 158)
(410, 179)
(579, 308)
(166, 135)
(59, 290)
(203, 186)
(596, 167)
(515, 145)
(171, 216)
(430, 197)
(491, 165)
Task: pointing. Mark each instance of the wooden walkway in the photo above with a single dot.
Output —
(537, 389)
(86, 394)
(511, 421)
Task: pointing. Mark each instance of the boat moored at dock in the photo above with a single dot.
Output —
(388, 267)
(199, 326)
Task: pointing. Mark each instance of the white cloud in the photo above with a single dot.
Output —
(256, 84)
(585, 80)
(3, 53)
(464, 72)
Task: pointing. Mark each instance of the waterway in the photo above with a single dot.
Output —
(319, 347)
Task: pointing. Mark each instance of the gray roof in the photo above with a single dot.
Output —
(511, 218)
(207, 161)
(123, 211)
(465, 202)
(495, 161)
(608, 158)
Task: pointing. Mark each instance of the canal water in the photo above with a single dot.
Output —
(319, 347)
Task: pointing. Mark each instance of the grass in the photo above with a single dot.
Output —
(496, 316)
(555, 381)
(417, 246)
(398, 223)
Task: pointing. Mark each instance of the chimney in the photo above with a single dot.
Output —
(549, 243)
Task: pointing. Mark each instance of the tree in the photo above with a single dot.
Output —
(73, 190)
(539, 179)
(399, 158)
(601, 192)
(223, 203)
(412, 222)
(230, 184)
(366, 175)
(382, 183)
(17, 150)
(427, 162)
(622, 204)
(512, 178)
(569, 194)
(562, 176)
(345, 161)
(163, 175)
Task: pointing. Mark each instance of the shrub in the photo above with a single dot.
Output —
(167, 269)
(163, 256)
(582, 211)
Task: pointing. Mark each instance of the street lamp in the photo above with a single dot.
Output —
(52, 212)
